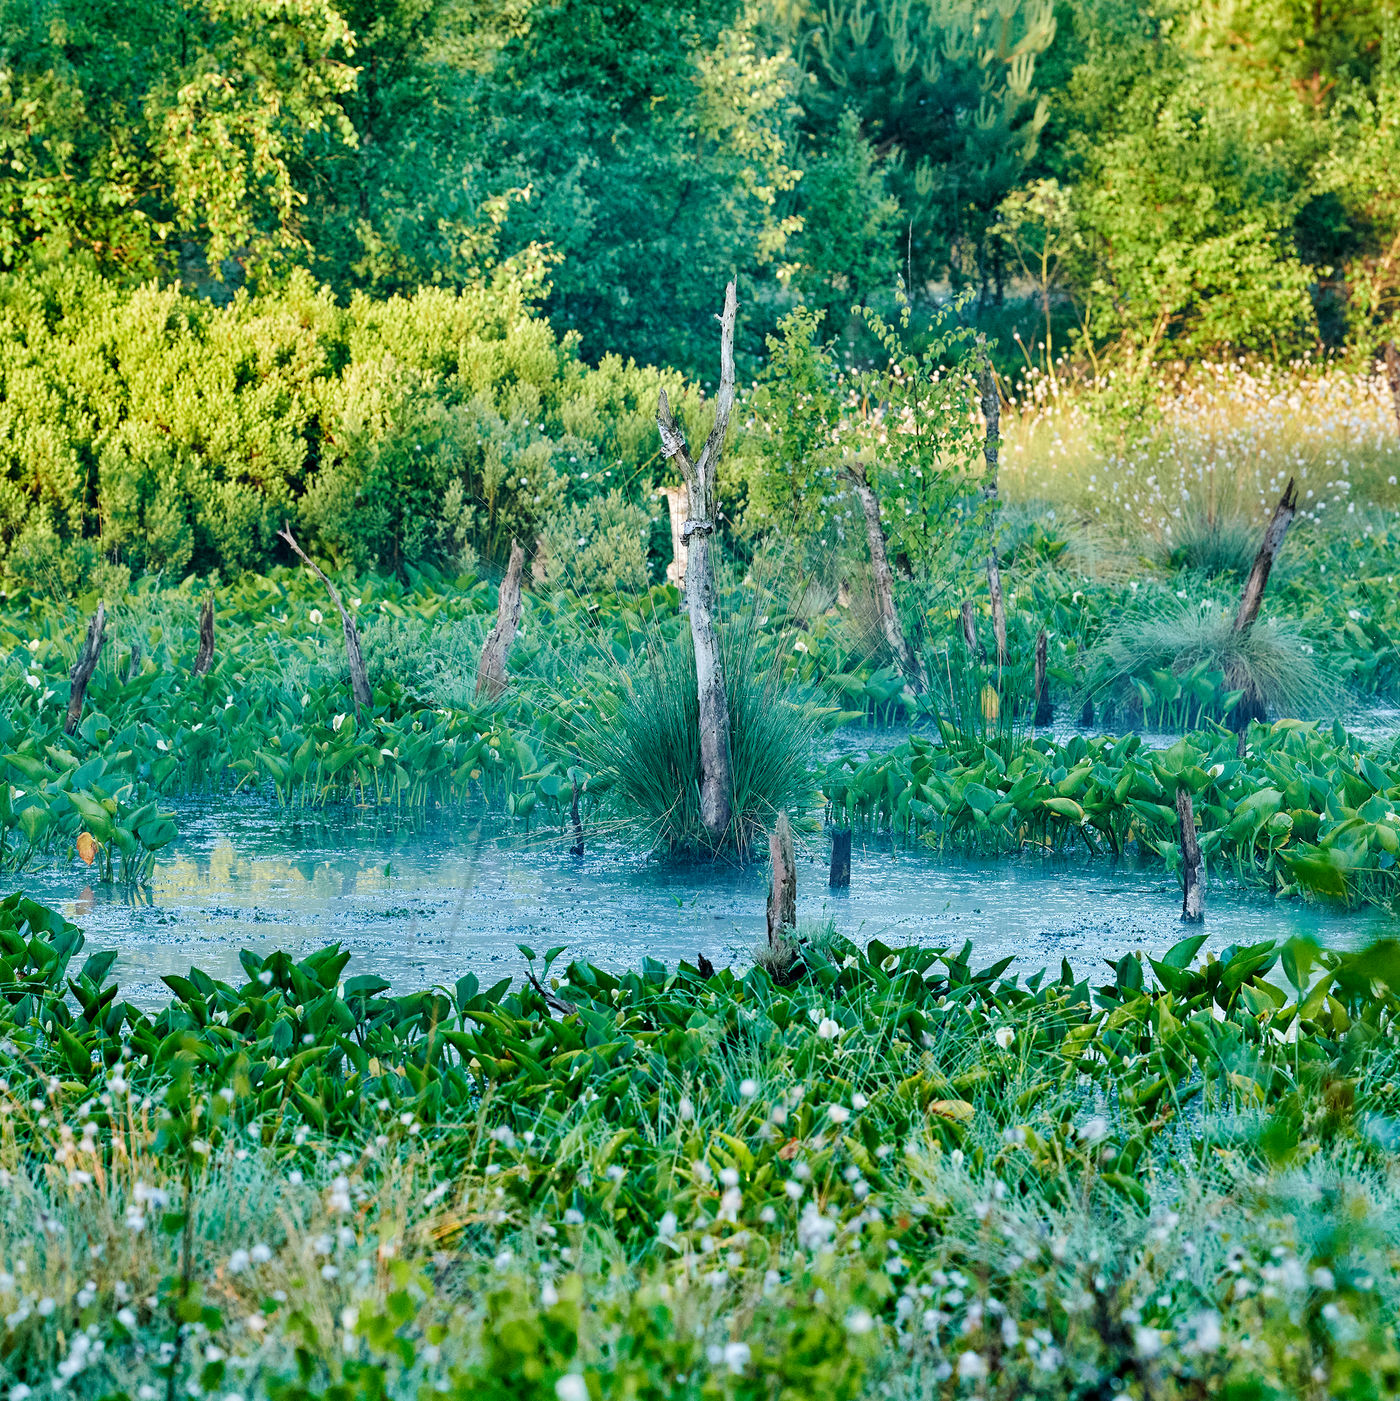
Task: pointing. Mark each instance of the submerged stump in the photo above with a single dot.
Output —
(1193, 865)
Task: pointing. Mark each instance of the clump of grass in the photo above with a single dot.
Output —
(1211, 542)
(642, 745)
(1182, 662)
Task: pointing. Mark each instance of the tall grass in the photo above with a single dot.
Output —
(641, 744)
(1180, 661)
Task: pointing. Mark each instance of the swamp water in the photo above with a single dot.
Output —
(426, 906)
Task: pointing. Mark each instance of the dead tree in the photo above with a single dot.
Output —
(1193, 865)
(577, 848)
(975, 651)
(675, 498)
(491, 674)
(840, 878)
(204, 658)
(359, 677)
(1251, 706)
(991, 451)
(132, 664)
(883, 579)
(1392, 375)
(84, 667)
(1044, 710)
(782, 892)
(716, 786)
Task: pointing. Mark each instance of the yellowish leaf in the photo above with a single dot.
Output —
(87, 848)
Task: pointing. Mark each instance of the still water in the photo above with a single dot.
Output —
(428, 906)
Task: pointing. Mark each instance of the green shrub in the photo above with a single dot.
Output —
(598, 545)
(1212, 542)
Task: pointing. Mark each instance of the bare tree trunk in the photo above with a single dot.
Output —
(675, 497)
(975, 649)
(991, 452)
(204, 658)
(83, 668)
(716, 784)
(905, 656)
(539, 566)
(1251, 705)
(782, 892)
(133, 663)
(1044, 710)
(1269, 546)
(359, 677)
(1193, 866)
(491, 674)
(840, 877)
(1392, 375)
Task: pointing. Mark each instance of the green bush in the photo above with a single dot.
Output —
(167, 433)
(598, 545)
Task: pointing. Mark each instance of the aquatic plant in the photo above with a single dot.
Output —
(1211, 542)
(671, 1184)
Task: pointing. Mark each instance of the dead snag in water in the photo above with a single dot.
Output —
(204, 658)
(1193, 865)
(491, 674)
(84, 667)
(716, 782)
(840, 859)
(553, 1002)
(577, 848)
(991, 451)
(883, 579)
(1044, 710)
(1251, 706)
(782, 891)
(1392, 375)
(359, 677)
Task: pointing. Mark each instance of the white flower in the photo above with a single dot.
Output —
(859, 1321)
(838, 1113)
(828, 1030)
(338, 721)
(859, 1101)
(748, 1088)
(736, 1357)
(316, 616)
(571, 1387)
(971, 1366)
(354, 602)
(126, 1317)
(1004, 1036)
(685, 1109)
(1147, 1342)
(238, 1262)
(32, 680)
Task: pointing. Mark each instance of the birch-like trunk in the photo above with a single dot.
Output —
(716, 783)
(883, 577)
(991, 452)
(491, 674)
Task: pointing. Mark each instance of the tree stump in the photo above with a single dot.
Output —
(1044, 710)
(1251, 705)
(204, 658)
(83, 668)
(491, 674)
(1193, 865)
(840, 859)
(782, 890)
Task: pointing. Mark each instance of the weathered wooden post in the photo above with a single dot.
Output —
(782, 890)
(716, 785)
(991, 451)
(491, 674)
(1251, 706)
(1193, 866)
(840, 858)
(204, 658)
(359, 678)
(1044, 710)
(83, 668)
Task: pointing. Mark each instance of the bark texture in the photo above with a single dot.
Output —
(716, 785)
(1269, 547)
(676, 499)
(1193, 866)
(204, 658)
(782, 891)
(975, 649)
(991, 453)
(84, 667)
(491, 674)
(359, 678)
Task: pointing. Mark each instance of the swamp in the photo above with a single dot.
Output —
(699, 703)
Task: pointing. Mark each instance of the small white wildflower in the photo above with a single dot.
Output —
(1004, 1036)
(571, 1387)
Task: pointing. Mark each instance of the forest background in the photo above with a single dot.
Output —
(409, 273)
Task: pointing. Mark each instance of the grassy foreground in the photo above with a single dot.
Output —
(896, 1176)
